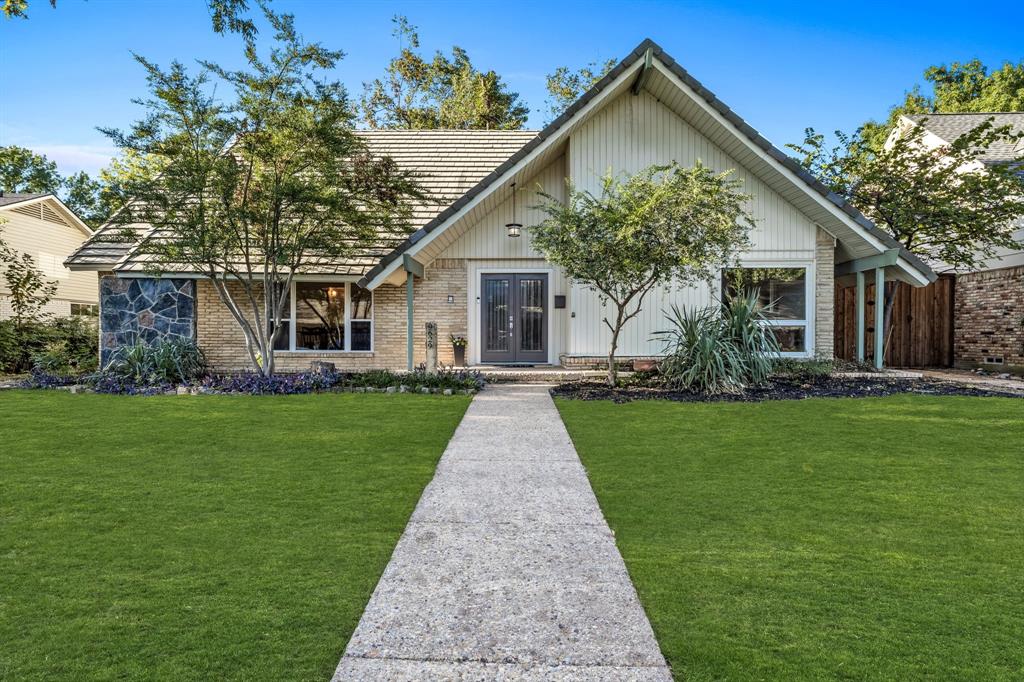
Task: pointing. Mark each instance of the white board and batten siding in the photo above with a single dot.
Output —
(634, 132)
(49, 237)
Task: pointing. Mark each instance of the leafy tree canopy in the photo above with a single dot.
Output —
(666, 223)
(24, 171)
(565, 85)
(442, 92)
(262, 176)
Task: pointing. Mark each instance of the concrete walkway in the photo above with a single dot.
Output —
(507, 569)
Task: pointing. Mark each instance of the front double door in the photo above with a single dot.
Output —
(514, 318)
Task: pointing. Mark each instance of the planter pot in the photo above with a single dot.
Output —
(460, 356)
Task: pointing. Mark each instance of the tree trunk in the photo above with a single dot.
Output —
(613, 370)
(889, 302)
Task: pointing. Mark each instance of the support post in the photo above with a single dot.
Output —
(408, 320)
(860, 317)
(879, 317)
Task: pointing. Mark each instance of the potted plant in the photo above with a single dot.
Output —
(459, 346)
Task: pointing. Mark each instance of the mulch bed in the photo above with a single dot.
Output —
(781, 389)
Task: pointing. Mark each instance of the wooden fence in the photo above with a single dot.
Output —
(922, 328)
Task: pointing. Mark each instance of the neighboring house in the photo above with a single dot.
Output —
(43, 227)
(463, 270)
(988, 318)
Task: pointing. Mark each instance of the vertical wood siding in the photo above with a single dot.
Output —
(634, 132)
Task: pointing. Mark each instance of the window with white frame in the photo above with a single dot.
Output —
(785, 295)
(328, 317)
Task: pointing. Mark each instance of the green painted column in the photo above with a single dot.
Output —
(408, 319)
(879, 317)
(860, 317)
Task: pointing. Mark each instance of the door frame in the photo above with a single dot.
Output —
(475, 332)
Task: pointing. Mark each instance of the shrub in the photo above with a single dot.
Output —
(719, 350)
(64, 345)
(169, 361)
(805, 371)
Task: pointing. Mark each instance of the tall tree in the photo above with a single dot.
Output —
(226, 15)
(264, 186)
(22, 170)
(443, 92)
(961, 87)
(96, 200)
(664, 224)
(565, 85)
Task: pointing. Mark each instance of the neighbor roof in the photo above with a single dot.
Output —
(6, 199)
(447, 164)
(949, 127)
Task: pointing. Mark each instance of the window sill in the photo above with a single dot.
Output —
(324, 353)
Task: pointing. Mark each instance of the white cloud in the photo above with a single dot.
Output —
(71, 158)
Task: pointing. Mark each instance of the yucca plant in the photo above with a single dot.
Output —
(718, 349)
(169, 361)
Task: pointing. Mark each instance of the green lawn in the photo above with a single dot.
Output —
(819, 539)
(201, 537)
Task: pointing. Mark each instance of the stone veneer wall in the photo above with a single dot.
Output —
(824, 295)
(989, 319)
(144, 309)
(224, 344)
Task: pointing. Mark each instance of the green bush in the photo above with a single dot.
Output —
(718, 349)
(169, 361)
(64, 345)
(806, 371)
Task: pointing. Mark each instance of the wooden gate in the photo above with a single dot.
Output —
(922, 327)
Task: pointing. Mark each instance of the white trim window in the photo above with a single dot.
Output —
(328, 317)
(786, 293)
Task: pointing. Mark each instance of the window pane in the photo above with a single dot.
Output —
(782, 291)
(362, 301)
(319, 316)
(791, 339)
(496, 314)
(84, 309)
(531, 314)
(362, 332)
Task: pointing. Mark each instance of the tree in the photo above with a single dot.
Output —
(565, 86)
(257, 189)
(18, 8)
(445, 92)
(28, 290)
(96, 200)
(226, 15)
(22, 170)
(942, 204)
(967, 87)
(666, 223)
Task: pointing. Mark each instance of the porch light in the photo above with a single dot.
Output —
(514, 228)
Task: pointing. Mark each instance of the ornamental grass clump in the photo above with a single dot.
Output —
(718, 349)
(166, 362)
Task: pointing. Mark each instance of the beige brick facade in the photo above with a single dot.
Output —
(824, 294)
(989, 320)
(222, 341)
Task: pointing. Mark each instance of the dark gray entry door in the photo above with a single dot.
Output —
(514, 318)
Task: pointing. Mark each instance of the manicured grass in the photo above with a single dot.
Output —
(201, 537)
(819, 539)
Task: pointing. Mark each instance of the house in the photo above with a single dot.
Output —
(463, 269)
(988, 310)
(43, 227)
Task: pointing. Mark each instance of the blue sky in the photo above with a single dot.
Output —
(782, 66)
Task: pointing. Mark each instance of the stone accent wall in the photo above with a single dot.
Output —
(824, 294)
(144, 309)
(224, 344)
(989, 319)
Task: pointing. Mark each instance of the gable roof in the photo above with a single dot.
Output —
(949, 127)
(836, 215)
(55, 211)
(447, 163)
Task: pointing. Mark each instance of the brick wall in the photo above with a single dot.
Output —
(824, 295)
(988, 319)
(224, 344)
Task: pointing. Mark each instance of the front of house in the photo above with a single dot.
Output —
(463, 270)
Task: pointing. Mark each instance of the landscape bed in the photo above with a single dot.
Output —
(778, 389)
(872, 538)
(206, 537)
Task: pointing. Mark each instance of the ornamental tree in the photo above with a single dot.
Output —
(664, 224)
(943, 204)
(271, 182)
